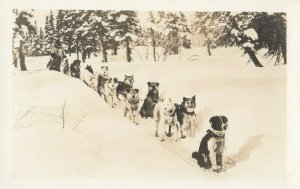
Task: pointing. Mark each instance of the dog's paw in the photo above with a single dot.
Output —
(162, 140)
(217, 170)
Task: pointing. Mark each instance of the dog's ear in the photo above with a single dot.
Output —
(109, 80)
(194, 98)
(116, 80)
(136, 90)
(126, 76)
(156, 83)
(184, 99)
(148, 83)
(224, 119)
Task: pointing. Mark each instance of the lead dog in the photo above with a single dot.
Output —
(186, 116)
(210, 153)
(151, 100)
(132, 105)
(166, 120)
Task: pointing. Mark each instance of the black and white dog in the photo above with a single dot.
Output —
(125, 87)
(151, 100)
(186, 116)
(210, 153)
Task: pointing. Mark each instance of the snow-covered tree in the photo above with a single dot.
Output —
(175, 29)
(35, 42)
(22, 24)
(125, 28)
(253, 31)
(50, 33)
(271, 31)
(207, 24)
(100, 27)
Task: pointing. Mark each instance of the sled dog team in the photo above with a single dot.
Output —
(173, 121)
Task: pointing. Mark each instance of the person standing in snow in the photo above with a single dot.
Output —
(57, 54)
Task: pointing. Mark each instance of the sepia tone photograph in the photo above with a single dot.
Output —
(148, 95)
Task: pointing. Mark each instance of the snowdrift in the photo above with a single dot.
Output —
(95, 141)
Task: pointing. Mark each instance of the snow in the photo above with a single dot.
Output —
(251, 33)
(248, 44)
(132, 36)
(235, 32)
(98, 142)
(122, 18)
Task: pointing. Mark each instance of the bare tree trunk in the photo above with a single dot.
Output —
(253, 57)
(69, 47)
(153, 45)
(77, 50)
(104, 53)
(115, 48)
(284, 54)
(22, 57)
(128, 50)
(208, 47)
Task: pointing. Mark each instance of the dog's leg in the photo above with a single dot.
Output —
(156, 129)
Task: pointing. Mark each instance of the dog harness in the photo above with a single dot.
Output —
(170, 114)
(189, 113)
(134, 103)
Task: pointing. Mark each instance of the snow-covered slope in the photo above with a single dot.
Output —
(98, 142)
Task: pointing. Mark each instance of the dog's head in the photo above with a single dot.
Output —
(89, 68)
(104, 70)
(168, 106)
(113, 83)
(133, 94)
(76, 62)
(189, 104)
(219, 123)
(129, 79)
(153, 87)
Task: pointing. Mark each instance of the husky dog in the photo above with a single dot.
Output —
(151, 100)
(110, 91)
(166, 120)
(125, 86)
(75, 69)
(65, 67)
(186, 115)
(210, 153)
(132, 105)
(88, 75)
(102, 78)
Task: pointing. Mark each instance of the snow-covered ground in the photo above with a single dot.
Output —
(98, 142)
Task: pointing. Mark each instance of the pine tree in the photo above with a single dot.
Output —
(21, 25)
(175, 28)
(125, 28)
(50, 33)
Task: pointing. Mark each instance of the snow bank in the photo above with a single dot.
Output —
(97, 142)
